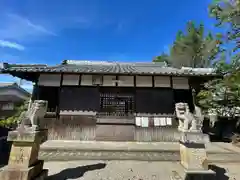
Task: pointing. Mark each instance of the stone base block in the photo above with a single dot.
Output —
(26, 136)
(11, 173)
(193, 156)
(194, 175)
(194, 137)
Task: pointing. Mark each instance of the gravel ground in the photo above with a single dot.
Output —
(128, 170)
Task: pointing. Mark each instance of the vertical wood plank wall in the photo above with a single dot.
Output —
(85, 129)
(70, 128)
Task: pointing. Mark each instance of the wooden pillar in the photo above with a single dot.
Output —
(193, 88)
(153, 81)
(80, 80)
(37, 88)
(58, 99)
(116, 83)
(171, 85)
(135, 100)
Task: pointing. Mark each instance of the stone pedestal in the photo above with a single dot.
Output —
(194, 158)
(23, 162)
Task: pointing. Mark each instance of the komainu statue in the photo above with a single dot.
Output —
(189, 121)
(36, 112)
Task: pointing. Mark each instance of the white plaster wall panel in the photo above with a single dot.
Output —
(86, 80)
(162, 81)
(109, 81)
(180, 83)
(127, 81)
(144, 81)
(49, 80)
(70, 80)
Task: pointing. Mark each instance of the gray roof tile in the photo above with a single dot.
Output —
(109, 68)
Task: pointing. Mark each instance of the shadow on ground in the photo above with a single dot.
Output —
(220, 172)
(74, 173)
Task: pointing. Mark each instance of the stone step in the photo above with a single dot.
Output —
(77, 150)
(67, 155)
(61, 155)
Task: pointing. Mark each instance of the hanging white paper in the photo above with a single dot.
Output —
(138, 121)
(144, 121)
(163, 121)
(156, 121)
(169, 121)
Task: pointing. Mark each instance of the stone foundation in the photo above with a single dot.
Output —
(193, 158)
(23, 162)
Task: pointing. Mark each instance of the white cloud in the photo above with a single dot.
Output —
(12, 45)
(19, 28)
(27, 23)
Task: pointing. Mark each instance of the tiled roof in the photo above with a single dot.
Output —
(13, 85)
(7, 84)
(108, 68)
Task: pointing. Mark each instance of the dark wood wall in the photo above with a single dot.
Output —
(154, 100)
(50, 94)
(147, 100)
(79, 98)
(87, 98)
(184, 95)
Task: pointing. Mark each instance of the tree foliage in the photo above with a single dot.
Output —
(222, 95)
(162, 58)
(12, 121)
(227, 13)
(193, 48)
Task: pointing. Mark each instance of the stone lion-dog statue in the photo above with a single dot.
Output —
(31, 117)
(188, 121)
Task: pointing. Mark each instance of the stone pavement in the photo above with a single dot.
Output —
(128, 170)
(153, 151)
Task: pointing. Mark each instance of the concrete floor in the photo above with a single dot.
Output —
(135, 170)
(128, 170)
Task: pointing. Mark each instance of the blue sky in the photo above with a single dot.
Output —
(49, 31)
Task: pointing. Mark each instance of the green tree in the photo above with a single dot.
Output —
(12, 121)
(192, 49)
(227, 13)
(162, 58)
(223, 94)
